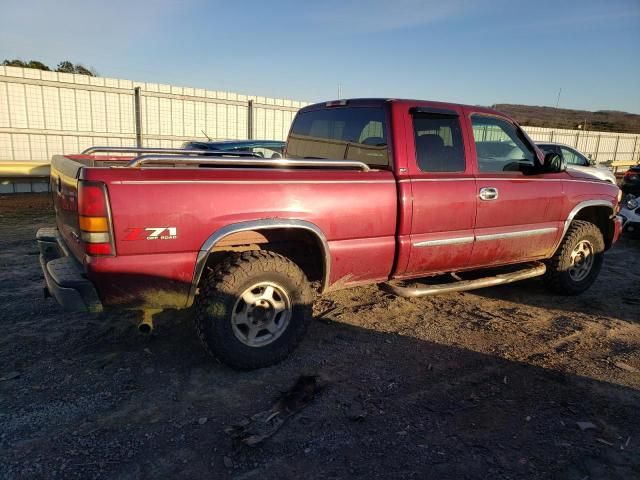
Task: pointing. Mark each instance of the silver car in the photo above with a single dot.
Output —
(578, 161)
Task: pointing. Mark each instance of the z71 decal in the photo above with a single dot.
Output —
(151, 233)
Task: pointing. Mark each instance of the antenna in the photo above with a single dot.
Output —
(205, 134)
(558, 100)
(339, 91)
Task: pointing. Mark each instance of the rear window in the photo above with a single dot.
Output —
(356, 133)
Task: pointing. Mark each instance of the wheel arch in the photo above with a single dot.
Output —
(260, 232)
(598, 212)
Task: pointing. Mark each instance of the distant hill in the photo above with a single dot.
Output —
(602, 121)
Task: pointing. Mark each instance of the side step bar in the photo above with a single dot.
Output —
(532, 270)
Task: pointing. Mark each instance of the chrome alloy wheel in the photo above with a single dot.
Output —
(581, 261)
(261, 314)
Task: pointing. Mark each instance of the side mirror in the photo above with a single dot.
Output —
(554, 163)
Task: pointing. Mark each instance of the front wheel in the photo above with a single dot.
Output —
(577, 262)
(253, 309)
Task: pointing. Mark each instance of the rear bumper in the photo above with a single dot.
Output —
(64, 276)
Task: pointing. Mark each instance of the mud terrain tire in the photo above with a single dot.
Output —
(577, 262)
(253, 309)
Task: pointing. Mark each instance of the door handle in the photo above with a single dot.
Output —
(488, 193)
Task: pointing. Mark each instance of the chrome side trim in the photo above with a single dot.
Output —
(262, 224)
(242, 161)
(445, 241)
(520, 233)
(529, 271)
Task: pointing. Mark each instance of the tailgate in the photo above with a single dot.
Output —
(64, 187)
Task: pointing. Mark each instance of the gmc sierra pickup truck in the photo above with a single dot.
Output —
(370, 191)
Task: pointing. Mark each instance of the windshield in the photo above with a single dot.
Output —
(351, 133)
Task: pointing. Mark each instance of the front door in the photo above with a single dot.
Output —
(443, 193)
(519, 209)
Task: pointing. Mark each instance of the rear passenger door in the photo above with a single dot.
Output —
(443, 192)
(519, 208)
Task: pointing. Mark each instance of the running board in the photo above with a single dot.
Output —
(532, 270)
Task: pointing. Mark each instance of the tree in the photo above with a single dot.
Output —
(14, 63)
(38, 65)
(66, 67)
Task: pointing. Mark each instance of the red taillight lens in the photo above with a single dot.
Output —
(94, 220)
(92, 200)
(98, 249)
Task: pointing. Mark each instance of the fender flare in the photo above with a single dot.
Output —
(261, 224)
(575, 210)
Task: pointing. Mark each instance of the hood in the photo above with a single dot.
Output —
(591, 173)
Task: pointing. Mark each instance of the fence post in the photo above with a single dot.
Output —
(615, 151)
(633, 152)
(551, 136)
(138, 114)
(597, 147)
(250, 119)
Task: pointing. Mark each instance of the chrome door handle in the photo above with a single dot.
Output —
(488, 193)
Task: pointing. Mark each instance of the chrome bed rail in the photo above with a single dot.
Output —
(244, 162)
(181, 156)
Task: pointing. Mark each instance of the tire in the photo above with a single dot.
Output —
(577, 262)
(253, 309)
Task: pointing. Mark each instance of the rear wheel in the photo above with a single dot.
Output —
(253, 309)
(577, 262)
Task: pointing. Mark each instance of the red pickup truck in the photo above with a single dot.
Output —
(371, 191)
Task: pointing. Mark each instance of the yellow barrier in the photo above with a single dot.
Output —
(24, 169)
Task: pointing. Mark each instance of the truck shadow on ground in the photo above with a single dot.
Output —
(104, 402)
(613, 295)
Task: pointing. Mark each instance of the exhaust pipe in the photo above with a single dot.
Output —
(146, 324)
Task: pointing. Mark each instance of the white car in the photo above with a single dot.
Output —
(630, 213)
(578, 161)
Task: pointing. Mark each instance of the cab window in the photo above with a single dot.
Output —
(340, 133)
(500, 146)
(438, 141)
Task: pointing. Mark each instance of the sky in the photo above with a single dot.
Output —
(465, 51)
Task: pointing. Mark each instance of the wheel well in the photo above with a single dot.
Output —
(303, 247)
(601, 217)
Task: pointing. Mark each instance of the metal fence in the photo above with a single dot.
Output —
(47, 113)
(617, 150)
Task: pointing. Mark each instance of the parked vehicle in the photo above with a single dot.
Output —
(578, 161)
(631, 181)
(371, 191)
(630, 213)
(261, 148)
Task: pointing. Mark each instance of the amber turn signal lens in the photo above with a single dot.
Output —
(94, 224)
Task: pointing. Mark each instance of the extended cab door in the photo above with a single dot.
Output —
(519, 208)
(443, 191)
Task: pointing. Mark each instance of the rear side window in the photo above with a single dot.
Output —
(352, 133)
(439, 146)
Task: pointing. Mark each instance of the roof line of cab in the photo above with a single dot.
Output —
(377, 102)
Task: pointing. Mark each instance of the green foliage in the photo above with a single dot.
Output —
(64, 67)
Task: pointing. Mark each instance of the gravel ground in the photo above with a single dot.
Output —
(488, 384)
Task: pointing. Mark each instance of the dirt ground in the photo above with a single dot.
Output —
(489, 384)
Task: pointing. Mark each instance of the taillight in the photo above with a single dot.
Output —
(95, 219)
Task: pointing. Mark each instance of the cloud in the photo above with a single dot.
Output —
(385, 15)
